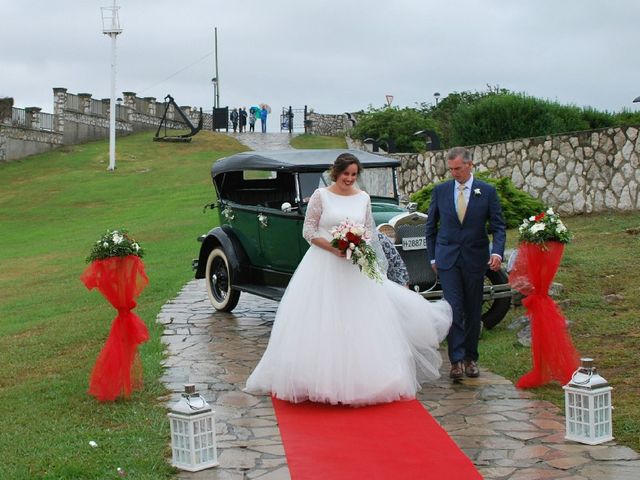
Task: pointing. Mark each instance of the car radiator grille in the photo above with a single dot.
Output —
(417, 261)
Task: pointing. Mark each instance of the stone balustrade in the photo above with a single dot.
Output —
(79, 118)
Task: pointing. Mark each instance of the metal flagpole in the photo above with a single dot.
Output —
(217, 75)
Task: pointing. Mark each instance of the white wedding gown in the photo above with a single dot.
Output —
(340, 337)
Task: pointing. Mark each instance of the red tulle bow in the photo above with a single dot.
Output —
(117, 370)
(553, 354)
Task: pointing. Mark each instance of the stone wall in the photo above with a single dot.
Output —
(582, 172)
(79, 118)
(330, 125)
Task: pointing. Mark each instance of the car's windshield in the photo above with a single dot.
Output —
(377, 182)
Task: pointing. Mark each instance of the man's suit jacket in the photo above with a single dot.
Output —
(448, 239)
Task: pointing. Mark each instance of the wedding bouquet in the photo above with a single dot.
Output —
(115, 243)
(544, 227)
(352, 239)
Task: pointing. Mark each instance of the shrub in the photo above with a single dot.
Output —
(516, 204)
(393, 124)
(627, 117)
(598, 119)
(497, 118)
(443, 112)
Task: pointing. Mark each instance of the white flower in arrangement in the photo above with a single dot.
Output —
(477, 192)
(538, 227)
(352, 246)
(117, 238)
(115, 243)
(544, 227)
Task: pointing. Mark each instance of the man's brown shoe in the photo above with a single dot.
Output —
(456, 372)
(471, 369)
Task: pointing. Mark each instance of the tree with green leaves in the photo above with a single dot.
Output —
(393, 124)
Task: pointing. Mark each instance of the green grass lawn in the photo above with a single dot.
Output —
(52, 208)
(307, 140)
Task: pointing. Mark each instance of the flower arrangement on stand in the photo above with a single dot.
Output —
(542, 241)
(544, 227)
(352, 239)
(116, 270)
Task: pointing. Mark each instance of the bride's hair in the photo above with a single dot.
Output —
(342, 163)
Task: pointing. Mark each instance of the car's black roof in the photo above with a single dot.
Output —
(295, 160)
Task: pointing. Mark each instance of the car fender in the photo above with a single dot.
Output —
(226, 239)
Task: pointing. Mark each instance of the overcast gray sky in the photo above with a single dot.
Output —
(331, 55)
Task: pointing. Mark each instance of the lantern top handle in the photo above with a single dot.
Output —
(585, 362)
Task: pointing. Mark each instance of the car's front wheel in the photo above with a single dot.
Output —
(218, 275)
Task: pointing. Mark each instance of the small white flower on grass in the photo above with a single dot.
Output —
(93, 444)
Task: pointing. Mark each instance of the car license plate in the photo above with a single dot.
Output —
(414, 243)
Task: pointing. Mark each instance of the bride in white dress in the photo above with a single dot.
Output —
(339, 336)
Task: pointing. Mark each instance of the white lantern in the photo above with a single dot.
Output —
(193, 432)
(587, 399)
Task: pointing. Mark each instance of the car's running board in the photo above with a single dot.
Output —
(272, 293)
(490, 292)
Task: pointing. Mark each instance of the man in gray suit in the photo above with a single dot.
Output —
(458, 245)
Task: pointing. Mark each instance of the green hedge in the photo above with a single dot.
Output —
(516, 204)
(503, 117)
(394, 124)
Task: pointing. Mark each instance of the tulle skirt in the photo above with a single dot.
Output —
(340, 337)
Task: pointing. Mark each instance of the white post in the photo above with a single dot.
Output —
(112, 106)
(111, 27)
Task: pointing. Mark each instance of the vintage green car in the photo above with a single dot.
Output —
(260, 207)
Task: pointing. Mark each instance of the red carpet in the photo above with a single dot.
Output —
(393, 441)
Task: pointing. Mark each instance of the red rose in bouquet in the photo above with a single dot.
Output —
(352, 239)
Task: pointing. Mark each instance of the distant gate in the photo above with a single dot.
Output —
(292, 119)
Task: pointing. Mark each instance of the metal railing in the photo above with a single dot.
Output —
(142, 106)
(97, 107)
(121, 113)
(18, 116)
(160, 107)
(73, 102)
(46, 121)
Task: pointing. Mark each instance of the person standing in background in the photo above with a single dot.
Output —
(263, 118)
(243, 119)
(252, 119)
(233, 116)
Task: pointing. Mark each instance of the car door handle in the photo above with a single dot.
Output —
(263, 220)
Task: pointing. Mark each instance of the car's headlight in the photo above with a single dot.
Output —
(388, 230)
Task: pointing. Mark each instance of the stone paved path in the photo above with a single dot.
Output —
(506, 433)
(264, 141)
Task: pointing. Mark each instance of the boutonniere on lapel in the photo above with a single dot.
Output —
(476, 192)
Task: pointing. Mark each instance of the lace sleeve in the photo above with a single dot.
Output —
(312, 217)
